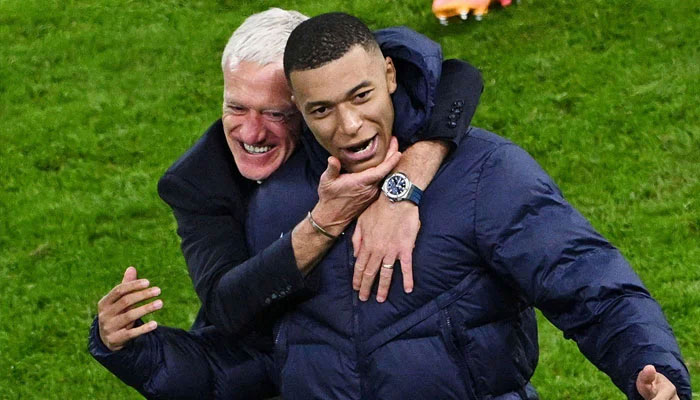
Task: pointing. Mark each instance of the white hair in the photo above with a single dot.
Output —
(261, 38)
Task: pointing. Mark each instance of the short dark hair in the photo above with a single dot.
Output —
(323, 39)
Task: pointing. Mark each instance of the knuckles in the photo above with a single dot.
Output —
(123, 302)
(369, 273)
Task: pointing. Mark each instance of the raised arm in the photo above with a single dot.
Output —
(387, 231)
(209, 207)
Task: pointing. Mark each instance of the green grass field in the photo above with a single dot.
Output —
(98, 98)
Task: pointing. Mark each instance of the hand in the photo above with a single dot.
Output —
(342, 197)
(116, 312)
(654, 386)
(385, 231)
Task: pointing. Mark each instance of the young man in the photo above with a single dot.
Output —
(207, 191)
(497, 238)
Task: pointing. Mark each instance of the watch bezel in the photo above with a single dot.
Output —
(401, 196)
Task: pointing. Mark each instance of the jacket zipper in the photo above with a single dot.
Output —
(359, 360)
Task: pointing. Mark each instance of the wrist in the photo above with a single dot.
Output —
(400, 206)
(327, 220)
(421, 161)
(318, 228)
(399, 188)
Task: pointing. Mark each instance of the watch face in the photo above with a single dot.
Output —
(396, 185)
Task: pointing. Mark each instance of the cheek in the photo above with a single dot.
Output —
(229, 122)
(323, 131)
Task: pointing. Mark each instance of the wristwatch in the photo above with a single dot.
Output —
(397, 187)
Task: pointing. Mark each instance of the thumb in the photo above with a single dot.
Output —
(393, 147)
(333, 169)
(129, 275)
(376, 174)
(645, 382)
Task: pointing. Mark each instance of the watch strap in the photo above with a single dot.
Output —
(414, 195)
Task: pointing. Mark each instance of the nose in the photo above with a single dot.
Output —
(252, 128)
(350, 120)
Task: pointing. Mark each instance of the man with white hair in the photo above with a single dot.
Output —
(208, 188)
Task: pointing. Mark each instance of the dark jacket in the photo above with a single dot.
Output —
(240, 295)
(207, 193)
(497, 239)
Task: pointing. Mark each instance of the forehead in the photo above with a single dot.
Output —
(332, 81)
(257, 86)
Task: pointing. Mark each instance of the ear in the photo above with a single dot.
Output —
(390, 75)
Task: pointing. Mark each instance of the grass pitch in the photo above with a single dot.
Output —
(98, 98)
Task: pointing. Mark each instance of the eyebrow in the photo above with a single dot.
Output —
(347, 94)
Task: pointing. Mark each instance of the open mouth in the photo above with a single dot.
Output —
(362, 147)
(250, 149)
(360, 152)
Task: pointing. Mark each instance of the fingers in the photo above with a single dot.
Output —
(129, 274)
(393, 147)
(119, 291)
(646, 382)
(357, 238)
(120, 313)
(370, 272)
(385, 274)
(332, 170)
(375, 174)
(126, 302)
(116, 340)
(127, 318)
(122, 290)
(406, 259)
(360, 265)
(653, 385)
(117, 315)
(391, 159)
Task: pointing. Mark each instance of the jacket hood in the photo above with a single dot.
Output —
(418, 62)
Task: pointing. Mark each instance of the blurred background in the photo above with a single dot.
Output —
(97, 99)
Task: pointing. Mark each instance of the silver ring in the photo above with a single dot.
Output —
(388, 266)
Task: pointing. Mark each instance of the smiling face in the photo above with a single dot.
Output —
(260, 121)
(347, 105)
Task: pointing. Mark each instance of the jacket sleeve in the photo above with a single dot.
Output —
(172, 363)
(232, 287)
(447, 92)
(538, 243)
(457, 97)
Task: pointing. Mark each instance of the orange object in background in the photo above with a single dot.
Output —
(444, 9)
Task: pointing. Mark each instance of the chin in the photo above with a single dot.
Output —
(254, 169)
(256, 174)
(359, 167)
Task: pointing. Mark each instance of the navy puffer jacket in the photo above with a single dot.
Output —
(497, 238)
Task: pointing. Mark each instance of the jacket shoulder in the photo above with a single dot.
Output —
(209, 153)
(205, 171)
(480, 143)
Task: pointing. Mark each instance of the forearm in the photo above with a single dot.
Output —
(173, 363)
(621, 348)
(232, 286)
(247, 290)
(421, 161)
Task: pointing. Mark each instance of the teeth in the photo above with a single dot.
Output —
(363, 149)
(256, 149)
